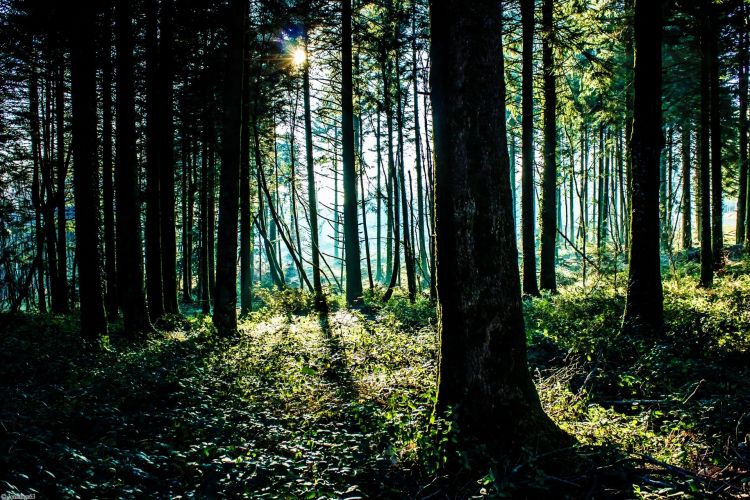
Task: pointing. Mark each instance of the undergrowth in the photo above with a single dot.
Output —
(338, 404)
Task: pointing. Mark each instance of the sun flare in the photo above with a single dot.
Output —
(299, 56)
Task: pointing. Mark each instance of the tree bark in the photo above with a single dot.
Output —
(707, 274)
(225, 297)
(644, 302)
(483, 374)
(528, 221)
(128, 207)
(549, 202)
(312, 195)
(351, 226)
(153, 176)
(167, 226)
(110, 252)
(687, 227)
(86, 171)
(717, 206)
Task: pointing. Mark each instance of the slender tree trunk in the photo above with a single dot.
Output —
(86, 172)
(153, 176)
(379, 204)
(312, 195)
(743, 127)
(707, 274)
(483, 377)
(246, 217)
(351, 226)
(687, 228)
(36, 195)
(110, 252)
(550, 207)
(167, 226)
(62, 173)
(203, 282)
(225, 304)
(128, 208)
(408, 246)
(418, 155)
(527, 150)
(717, 206)
(644, 302)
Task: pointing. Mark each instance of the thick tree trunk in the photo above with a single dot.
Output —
(644, 302)
(86, 172)
(351, 225)
(483, 375)
(549, 202)
(225, 298)
(528, 221)
(128, 208)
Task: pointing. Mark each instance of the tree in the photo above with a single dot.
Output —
(168, 236)
(717, 206)
(225, 298)
(86, 170)
(483, 377)
(549, 182)
(527, 150)
(154, 275)
(644, 302)
(707, 273)
(312, 196)
(351, 225)
(127, 212)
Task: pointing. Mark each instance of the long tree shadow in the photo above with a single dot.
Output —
(339, 371)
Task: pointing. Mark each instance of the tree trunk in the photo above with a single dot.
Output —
(312, 195)
(687, 228)
(86, 172)
(717, 206)
(547, 279)
(643, 305)
(225, 298)
(351, 226)
(742, 98)
(246, 217)
(36, 195)
(168, 235)
(128, 207)
(528, 221)
(110, 252)
(707, 274)
(408, 246)
(418, 155)
(483, 377)
(62, 173)
(153, 176)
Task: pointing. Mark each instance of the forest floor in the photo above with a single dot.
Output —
(338, 405)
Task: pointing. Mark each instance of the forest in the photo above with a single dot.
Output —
(374, 249)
